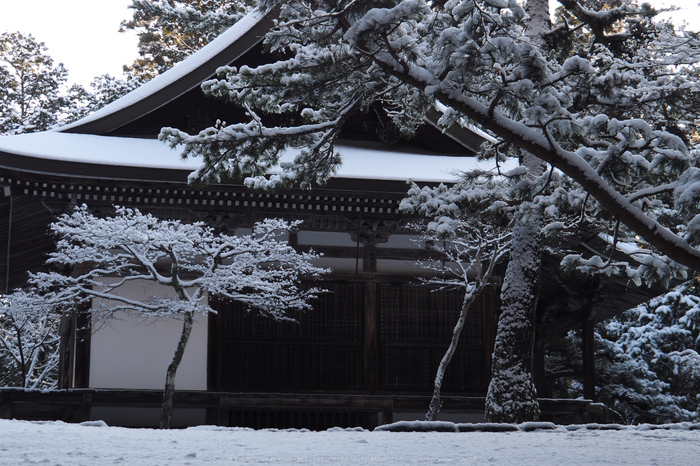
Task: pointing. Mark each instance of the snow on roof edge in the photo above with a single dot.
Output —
(175, 73)
(358, 163)
(439, 106)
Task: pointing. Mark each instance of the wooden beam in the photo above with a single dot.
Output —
(538, 372)
(371, 351)
(214, 345)
(67, 404)
(588, 354)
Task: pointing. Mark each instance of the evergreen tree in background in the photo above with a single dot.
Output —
(647, 361)
(30, 85)
(105, 89)
(34, 95)
(171, 30)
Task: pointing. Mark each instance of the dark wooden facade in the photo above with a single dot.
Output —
(376, 336)
(361, 337)
(372, 334)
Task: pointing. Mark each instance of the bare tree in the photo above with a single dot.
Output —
(259, 270)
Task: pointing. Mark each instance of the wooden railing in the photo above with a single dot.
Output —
(222, 408)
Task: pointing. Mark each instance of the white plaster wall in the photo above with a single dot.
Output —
(395, 266)
(413, 242)
(339, 266)
(325, 238)
(130, 352)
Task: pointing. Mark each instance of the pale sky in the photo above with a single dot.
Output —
(689, 11)
(82, 34)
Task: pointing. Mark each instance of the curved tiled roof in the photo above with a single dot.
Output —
(175, 82)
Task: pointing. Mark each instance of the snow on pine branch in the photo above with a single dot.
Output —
(613, 112)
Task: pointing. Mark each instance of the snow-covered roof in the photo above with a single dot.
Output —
(87, 144)
(184, 76)
(358, 163)
(202, 65)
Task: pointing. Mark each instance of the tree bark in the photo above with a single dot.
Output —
(539, 22)
(435, 402)
(169, 391)
(512, 396)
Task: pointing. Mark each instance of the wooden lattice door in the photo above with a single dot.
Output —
(321, 350)
(416, 324)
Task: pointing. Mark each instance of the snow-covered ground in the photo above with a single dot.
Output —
(57, 443)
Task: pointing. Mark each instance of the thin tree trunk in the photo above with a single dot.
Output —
(20, 347)
(169, 391)
(435, 402)
(512, 396)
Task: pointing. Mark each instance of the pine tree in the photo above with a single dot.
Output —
(105, 89)
(30, 85)
(647, 362)
(191, 261)
(612, 122)
(466, 248)
(664, 336)
(171, 30)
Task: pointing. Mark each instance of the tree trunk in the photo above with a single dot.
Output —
(512, 396)
(539, 22)
(20, 348)
(167, 409)
(435, 402)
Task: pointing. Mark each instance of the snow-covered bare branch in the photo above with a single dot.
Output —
(191, 260)
(30, 343)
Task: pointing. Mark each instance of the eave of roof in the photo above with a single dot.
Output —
(202, 65)
(188, 74)
(109, 157)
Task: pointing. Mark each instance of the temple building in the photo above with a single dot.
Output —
(368, 351)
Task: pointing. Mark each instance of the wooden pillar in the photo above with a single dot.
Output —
(5, 405)
(223, 411)
(588, 355)
(371, 350)
(369, 260)
(86, 407)
(214, 324)
(83, 331)
(65, 365)
(538, 372)
(388, 412)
